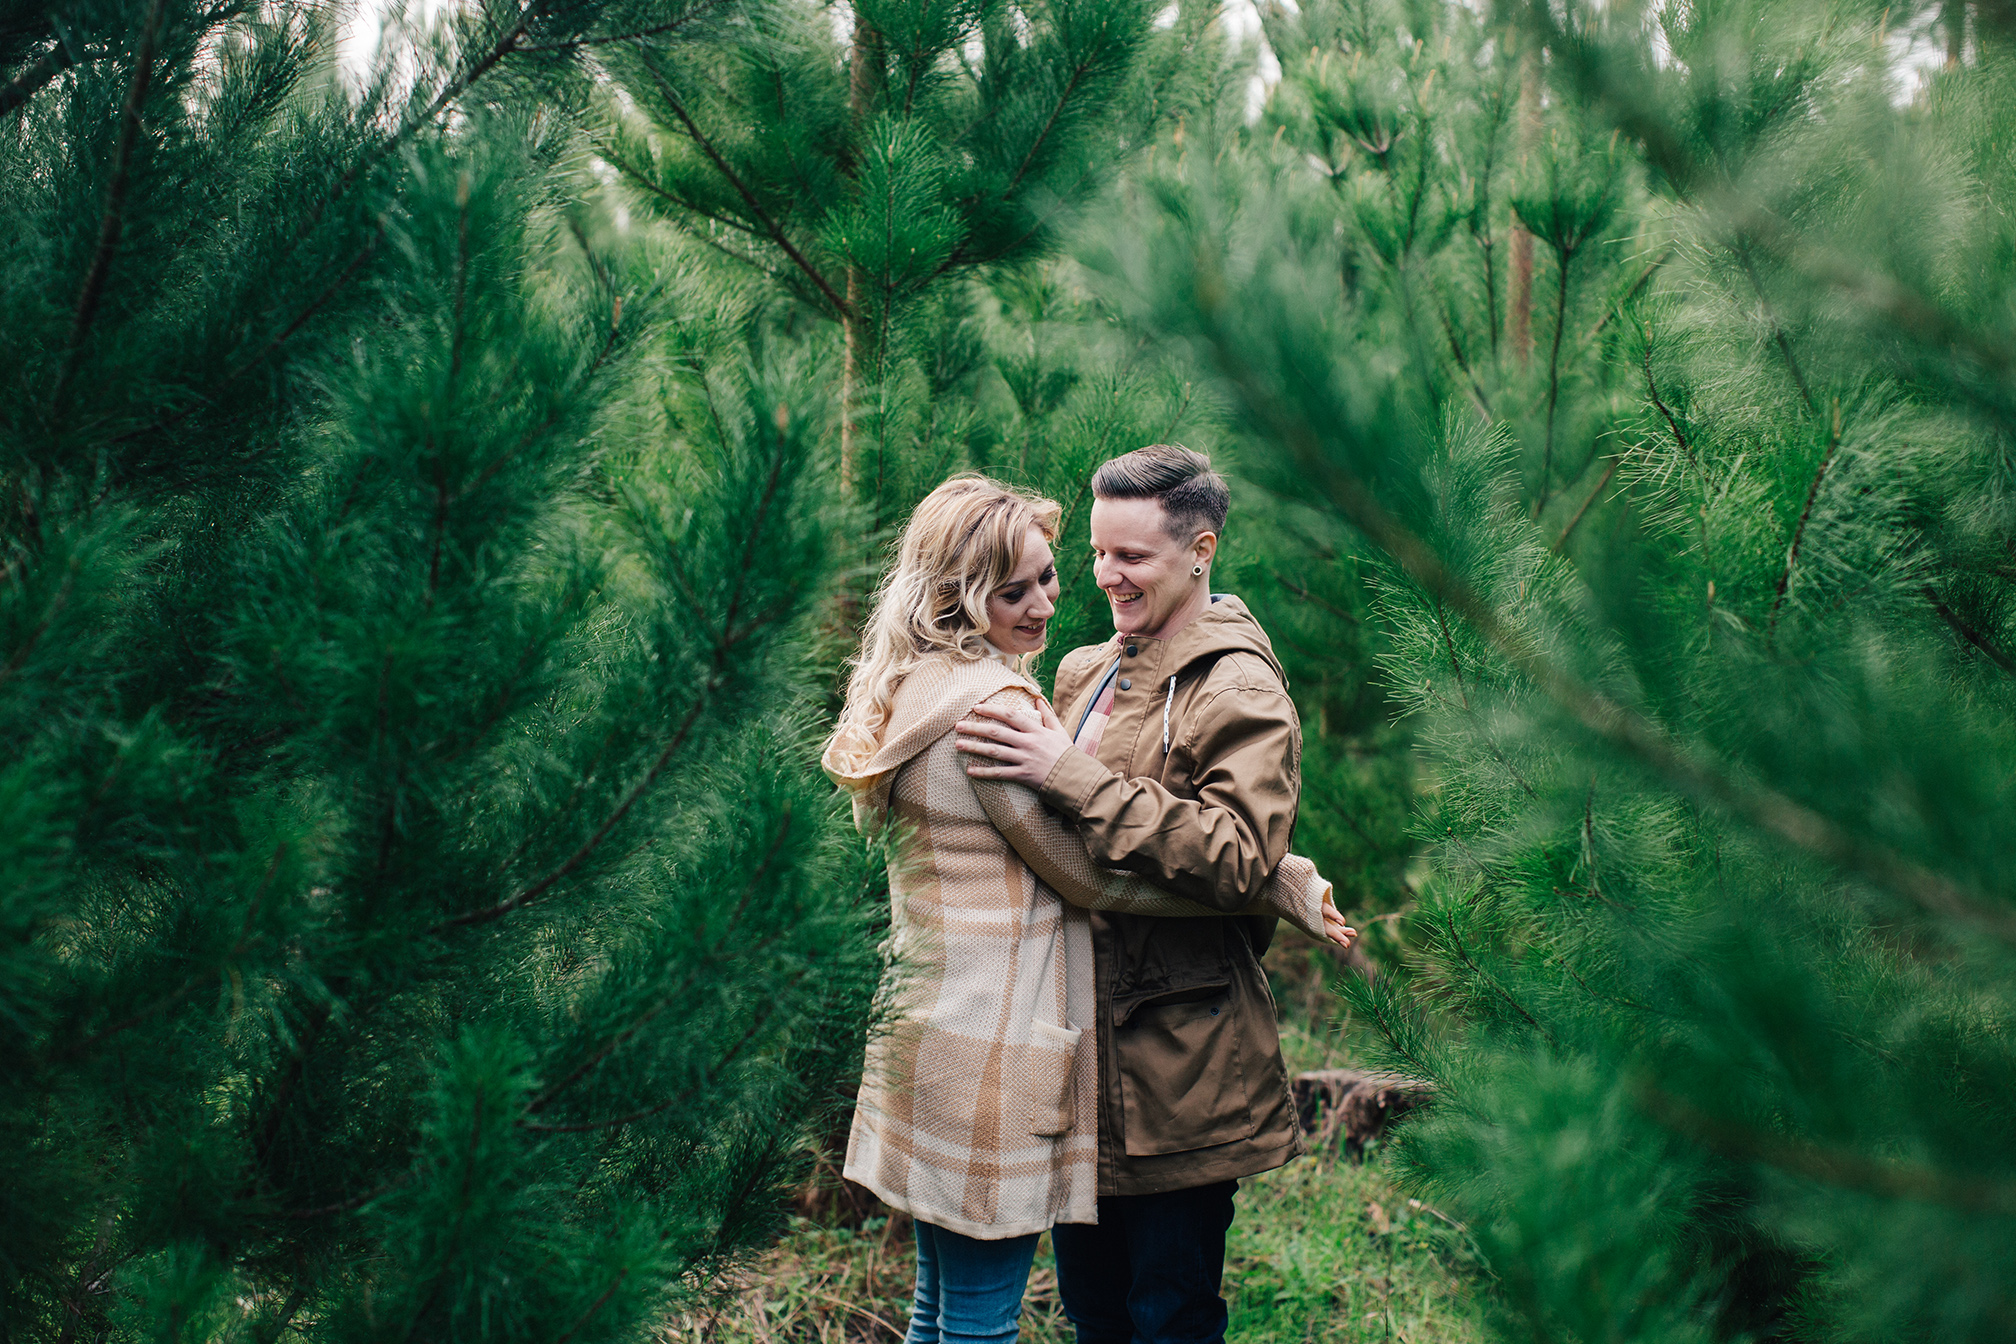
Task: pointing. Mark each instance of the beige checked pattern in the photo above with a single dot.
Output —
(969, 1114)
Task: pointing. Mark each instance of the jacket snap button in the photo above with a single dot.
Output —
(1126, 685)
(1131, 650)
(1214, 1012)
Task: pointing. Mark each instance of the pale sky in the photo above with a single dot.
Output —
(1914, 56)
(361, 33)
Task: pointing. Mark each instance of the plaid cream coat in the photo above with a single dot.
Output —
(978, 1108)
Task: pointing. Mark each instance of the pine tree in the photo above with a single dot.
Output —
(422, 917)
(872, 178)
(1700, 613)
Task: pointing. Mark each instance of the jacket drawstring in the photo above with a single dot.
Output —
(1166, 702)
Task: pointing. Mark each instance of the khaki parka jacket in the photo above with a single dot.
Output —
(1195, 788)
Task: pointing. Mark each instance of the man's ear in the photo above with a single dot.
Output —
(1205, 547)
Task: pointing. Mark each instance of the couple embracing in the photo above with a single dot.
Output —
(1079, 1038)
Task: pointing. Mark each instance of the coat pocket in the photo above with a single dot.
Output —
(1052, 1050)
(1182, 1080)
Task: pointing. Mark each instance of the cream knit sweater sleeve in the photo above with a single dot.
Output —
(1296, 892)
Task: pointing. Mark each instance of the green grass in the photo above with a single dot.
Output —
(1322, 1250)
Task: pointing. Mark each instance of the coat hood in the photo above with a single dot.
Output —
(1225, 626)
(936, 694)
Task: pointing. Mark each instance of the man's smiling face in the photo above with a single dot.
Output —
(1144, 571)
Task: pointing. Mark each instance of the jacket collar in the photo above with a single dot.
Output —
(1225, 626)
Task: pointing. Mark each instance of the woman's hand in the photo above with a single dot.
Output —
(1334, 927)
(1013, 744)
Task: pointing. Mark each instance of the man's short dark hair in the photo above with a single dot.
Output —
(1193, 496)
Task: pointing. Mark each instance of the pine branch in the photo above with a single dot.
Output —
(194, 978)
(17, 91)
(353, 1203)
(1829, 1165)
(1799, 529)
(610, 39)
(664, 1001)
(538, 431)
(1784, 342)
(1880, 293)
(504, 46)
(587, 848)
(1574, 522)
(1631, 734)
(724, 645)
(61, 600)
(113, 223)
(622, 1276)
(266, 352)
(1456, 942)
(770, 227)
(91, 1278)
(639, 178)
(288, 1310)
(1449, 644)
(658, 1108)
(445, 1256)
(1456, 349)
(1300, 590)
(268, 1131)
(1968, 632)
(1644, 278)
(1652, 389)
(1078, 73)
(960, 257)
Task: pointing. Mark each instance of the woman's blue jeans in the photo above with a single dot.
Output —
(968, 1291)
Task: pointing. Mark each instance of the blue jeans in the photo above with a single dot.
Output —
(1149, 1273)
(968, 1289)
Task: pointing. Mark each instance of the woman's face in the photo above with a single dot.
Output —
(1019, 610)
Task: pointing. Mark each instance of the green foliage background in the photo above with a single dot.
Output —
(1689, 609)
(435, 515)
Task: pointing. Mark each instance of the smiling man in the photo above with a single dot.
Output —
(1179, 757)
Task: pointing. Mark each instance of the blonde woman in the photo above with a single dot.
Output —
(970, 1115)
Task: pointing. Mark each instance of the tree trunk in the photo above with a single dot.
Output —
(850, 378)
(1519, 302)
(864, 60)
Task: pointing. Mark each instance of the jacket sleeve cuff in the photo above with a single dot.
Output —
(1072, 781)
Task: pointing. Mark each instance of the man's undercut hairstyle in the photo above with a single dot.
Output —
(1193, 496)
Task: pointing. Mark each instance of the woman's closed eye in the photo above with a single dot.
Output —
(1011, 596)
(1049, 575)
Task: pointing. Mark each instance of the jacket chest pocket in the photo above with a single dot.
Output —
(1182, 1077)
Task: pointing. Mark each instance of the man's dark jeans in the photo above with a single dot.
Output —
(1149, 1273)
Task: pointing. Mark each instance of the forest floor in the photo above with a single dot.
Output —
(1323, 1251)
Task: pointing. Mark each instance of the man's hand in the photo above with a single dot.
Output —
(1013, 744)
(1335, 928)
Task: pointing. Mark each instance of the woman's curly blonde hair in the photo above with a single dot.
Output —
(963, 542)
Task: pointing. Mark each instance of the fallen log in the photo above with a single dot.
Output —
(1353, 1105)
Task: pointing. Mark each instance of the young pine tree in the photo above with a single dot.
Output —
(421, 917)
(1701, 614)
(873, 176)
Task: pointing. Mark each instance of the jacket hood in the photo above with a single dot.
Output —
(1223, 627)
(936, 694)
